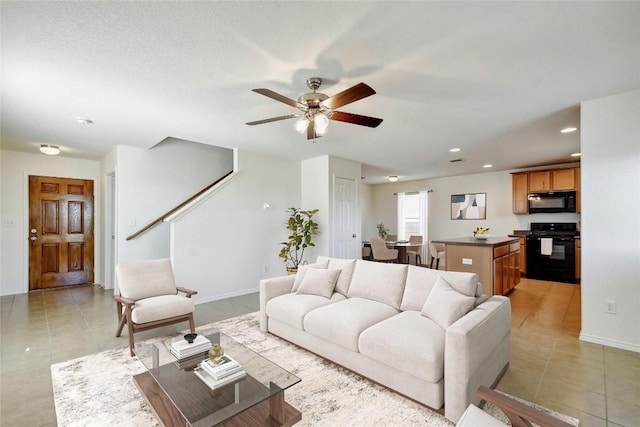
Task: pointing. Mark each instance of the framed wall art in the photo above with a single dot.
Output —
(469, 206)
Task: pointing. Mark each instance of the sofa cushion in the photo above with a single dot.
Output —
(291, 308)
(302, 270)
(465, 283)
(379, 281)
(445, 304)
(346, 265)
(342, 322)
(420, 281)
(160, 307)
(319, 281)
(409, 342)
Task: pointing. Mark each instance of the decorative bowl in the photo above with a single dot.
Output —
(481, 236)
(190, 337)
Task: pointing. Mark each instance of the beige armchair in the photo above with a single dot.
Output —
(437, 251)
(381, 253)
(149, 298)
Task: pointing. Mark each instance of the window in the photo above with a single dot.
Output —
(412, 215)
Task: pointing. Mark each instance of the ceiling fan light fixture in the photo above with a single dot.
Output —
(49, 149)
(321, 123)
(301, 124)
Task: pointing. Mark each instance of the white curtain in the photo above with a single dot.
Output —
(423, 215)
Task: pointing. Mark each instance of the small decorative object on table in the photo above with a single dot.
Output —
(215, 353)
(190, 337)
(481, 233)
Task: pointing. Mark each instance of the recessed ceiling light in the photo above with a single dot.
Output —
(576, 155)
(82, 121)
(569, 130)
(50, 150)
(393, 178)
(487, 166)
(454, 150)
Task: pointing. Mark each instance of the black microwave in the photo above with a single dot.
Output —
(553, 202)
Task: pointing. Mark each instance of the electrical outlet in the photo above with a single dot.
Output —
(467, 261)
(609, 306)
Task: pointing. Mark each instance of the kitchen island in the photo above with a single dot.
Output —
(495, 260)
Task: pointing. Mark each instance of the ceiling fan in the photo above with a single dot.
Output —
(317, 108)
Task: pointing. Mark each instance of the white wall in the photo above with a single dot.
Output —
(315, 179)
(229, 243)
(610, 146)
(150, 182)
(500, 218)
(14, 226)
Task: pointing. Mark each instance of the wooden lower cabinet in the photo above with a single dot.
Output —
(497, 265)
(578, 259)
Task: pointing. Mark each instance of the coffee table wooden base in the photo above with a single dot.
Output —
(262, 414)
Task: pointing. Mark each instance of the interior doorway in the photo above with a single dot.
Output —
(61, 232)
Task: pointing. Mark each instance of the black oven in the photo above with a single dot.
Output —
(551, 252)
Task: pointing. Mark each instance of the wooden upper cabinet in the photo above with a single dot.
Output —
(539, 181)
(523, 183)
(520, 189)
(564, 179)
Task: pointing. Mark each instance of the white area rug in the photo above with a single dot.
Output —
(98, 390)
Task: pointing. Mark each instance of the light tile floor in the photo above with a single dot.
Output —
(549, 365)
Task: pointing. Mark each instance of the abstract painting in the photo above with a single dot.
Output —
(469, 206)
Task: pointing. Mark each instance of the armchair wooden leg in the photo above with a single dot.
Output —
(121, 323)
(131, 342)
(192, 324)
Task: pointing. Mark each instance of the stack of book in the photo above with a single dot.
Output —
(182, 349)
(214, 375)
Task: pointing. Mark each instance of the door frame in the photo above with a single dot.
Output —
(98, 225)
(110, 229)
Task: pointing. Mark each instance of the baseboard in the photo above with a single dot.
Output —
(610, 343)
(225, 296)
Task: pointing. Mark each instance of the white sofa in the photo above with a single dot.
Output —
(427, 334)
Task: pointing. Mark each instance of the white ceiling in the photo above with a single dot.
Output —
(496, 79)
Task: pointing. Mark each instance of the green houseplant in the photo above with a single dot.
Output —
(302, 228)
(382, 231)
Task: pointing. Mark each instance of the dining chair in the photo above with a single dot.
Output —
(381, 253)
(391, 238)
(415, 251)
(149, 297)
(437, 251)
(366, 252)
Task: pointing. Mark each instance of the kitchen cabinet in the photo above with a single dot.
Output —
(578, 259)
(520, 190)
(523, 183)
(539, 181)
(496, 261)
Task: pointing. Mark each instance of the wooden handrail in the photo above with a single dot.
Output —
(180, 206)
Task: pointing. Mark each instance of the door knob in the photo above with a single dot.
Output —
(34, 231)
(33, 238)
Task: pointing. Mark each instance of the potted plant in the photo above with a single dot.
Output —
(382, 231)
(302, 228)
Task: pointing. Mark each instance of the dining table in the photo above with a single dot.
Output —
(401, 246)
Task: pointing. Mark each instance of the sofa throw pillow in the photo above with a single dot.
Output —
(445, 305)
(302, 270)
(319, 282)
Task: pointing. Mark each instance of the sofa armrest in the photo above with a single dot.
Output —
(271, 288)
(476, 353)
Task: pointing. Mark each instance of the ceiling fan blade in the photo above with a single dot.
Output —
(348, 96)
(273, 119)
(311, 130)
(273, 95)
(356, 119)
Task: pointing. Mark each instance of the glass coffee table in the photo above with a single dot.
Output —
(178, 397)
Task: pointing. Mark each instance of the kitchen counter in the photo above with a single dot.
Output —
(491, 241)
(495, 260)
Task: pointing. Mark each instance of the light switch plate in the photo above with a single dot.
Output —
(467, 261)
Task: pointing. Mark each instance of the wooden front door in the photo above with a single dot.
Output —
(60, 232)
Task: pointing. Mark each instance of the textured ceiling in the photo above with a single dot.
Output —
(496, 79)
